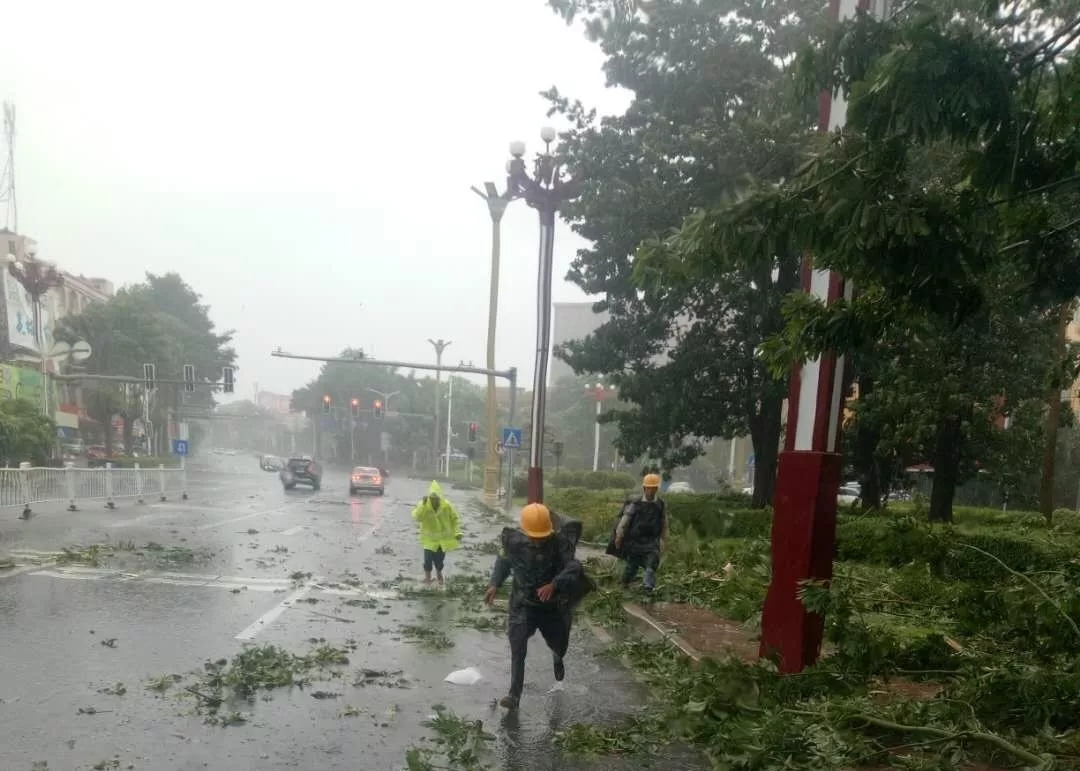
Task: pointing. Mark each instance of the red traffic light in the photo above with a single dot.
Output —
(355, 402)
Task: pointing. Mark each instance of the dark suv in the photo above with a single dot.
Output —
(303, 471)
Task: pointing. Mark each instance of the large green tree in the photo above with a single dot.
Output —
(25, 434)
(161, 321)
(941, 193)
(711, 107)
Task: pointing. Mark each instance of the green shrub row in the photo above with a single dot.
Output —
(149, 461)
(973, 552)
(710, 516)
(586, 480)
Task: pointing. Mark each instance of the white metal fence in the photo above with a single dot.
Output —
(26, 486)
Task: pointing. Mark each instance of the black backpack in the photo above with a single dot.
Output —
(630, 507)
(570, 530)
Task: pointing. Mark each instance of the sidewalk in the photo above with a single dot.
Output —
(697, 632)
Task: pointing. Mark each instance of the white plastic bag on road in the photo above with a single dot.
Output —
(467, 676)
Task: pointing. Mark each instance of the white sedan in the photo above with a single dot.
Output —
(848, 495)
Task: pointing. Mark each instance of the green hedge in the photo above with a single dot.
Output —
(586, 480)
(148, 461)
(949, 551)
(594, 480)
(710, 516)
(891, 539)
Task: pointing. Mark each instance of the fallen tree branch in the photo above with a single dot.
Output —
(1027, 580)
(1037, 762)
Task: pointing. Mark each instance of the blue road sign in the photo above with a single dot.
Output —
(511, 438)
(180, 447)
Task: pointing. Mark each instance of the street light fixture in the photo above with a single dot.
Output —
(600, 393)
(37, 277)
(385, 396)
(440, 345)
(496, 204)
(545, 191)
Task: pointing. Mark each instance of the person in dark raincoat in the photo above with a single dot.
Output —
(640, 534)
(548, 583)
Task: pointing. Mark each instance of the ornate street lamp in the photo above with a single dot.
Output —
(545, 191)
(37, 277)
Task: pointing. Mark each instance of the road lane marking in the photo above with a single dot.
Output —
(242, 518)
(270, 616)
(250, 583)
(34, 555)
(91, 574)
(18, 571)
(294, 530)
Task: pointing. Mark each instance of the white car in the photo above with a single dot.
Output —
(848, 494)
(680, 487)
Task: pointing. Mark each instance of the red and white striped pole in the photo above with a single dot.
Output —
(808, 478)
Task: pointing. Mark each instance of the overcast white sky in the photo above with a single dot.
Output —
(306, 167)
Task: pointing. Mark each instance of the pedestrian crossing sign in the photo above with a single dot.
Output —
(511, 438)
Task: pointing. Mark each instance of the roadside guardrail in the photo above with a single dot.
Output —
(28, 485)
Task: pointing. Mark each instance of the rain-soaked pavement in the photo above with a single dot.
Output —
(102, 652)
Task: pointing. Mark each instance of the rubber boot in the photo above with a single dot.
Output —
(559, 666)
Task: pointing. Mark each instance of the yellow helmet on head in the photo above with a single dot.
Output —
(536, 521)
(651, 480)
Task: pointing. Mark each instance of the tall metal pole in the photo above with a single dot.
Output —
(39, 338)
(545, 191)
(496, 207)
(596, 437)
(440, 345)
(510, 453)
(543, 354)
(449, 420)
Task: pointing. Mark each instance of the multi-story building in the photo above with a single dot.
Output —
(577, 320)
(571, 321)
(279, 404)
(18, 338)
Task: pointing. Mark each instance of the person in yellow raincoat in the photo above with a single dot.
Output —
(440, 530)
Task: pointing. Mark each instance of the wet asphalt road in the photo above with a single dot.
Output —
(181, 583)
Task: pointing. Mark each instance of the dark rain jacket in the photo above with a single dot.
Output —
(534, 565)
(642, 525)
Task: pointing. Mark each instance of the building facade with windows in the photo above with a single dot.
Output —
(577, 320)
(22, 376)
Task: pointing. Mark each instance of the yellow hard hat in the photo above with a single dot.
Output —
(651, 480)
(536, 521)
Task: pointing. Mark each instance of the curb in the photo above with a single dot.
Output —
(645, 621)
(494, 511)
